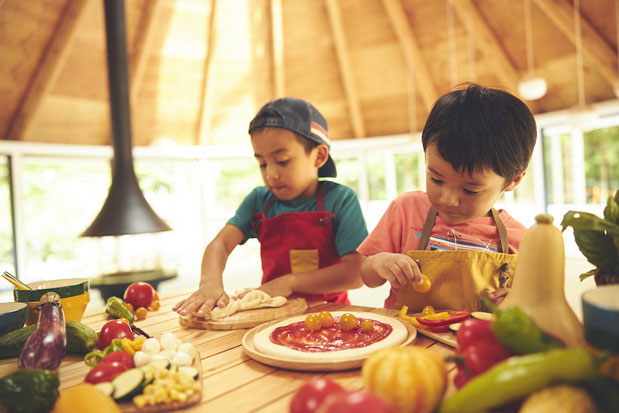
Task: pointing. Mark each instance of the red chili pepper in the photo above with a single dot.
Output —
(457, 317)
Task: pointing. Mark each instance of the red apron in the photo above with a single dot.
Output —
(296, 242)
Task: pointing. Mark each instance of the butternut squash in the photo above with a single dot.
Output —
(85, 398)
(538, 285)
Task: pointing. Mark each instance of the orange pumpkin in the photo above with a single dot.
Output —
(411, 379)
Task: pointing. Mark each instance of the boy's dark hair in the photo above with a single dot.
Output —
(477, 128)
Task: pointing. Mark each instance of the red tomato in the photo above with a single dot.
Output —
(103, 372)
(114, 329)
(121, 357)
(139, 294)
(312, 393)
(354, 402)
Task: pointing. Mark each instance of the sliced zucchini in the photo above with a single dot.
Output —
(149, 373)
(455, 327)
(160, 363)
(106, 387)
(482, 315)
(190, 371)
(128, 383)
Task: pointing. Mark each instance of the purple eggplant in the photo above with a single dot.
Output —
(46, 347)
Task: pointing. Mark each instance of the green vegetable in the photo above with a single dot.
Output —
(519, 333)
(94, 357)
(29, 391)
(520, 376)
(116, 308)
(597, 238)
(80, 339)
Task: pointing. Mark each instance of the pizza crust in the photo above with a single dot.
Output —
(250, 301)
(263, 343)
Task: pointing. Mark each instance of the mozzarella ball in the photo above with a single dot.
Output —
(141, 358)
(182, 359)
(188, 348)
(151, 346)
(169, 341)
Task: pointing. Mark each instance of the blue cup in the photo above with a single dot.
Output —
(600, 310)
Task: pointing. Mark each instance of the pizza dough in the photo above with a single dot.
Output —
(263, 343)
(252, 300)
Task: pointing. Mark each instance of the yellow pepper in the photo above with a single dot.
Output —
(127, 347)
(413, 320)
(410, 319)
(137, 343)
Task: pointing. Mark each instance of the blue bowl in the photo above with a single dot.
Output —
(12, 316)
(600, 314)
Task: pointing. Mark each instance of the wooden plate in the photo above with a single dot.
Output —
(318, 365)
(129, 407)
(247, 318)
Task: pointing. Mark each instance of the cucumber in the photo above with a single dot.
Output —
(455, 327)
(128, 383)
(106, 388)
(190, 371)
(160, 363)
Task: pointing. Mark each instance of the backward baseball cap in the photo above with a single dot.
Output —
(300, 117)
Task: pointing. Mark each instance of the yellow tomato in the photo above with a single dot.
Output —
(155, 305)
(312, 322)
(348, 321)
(424, 285)
(427, 310)
(367, 326)
(140, 313)
(326, 318)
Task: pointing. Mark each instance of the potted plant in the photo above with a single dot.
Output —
(598, 240)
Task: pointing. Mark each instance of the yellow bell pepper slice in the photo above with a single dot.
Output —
(127, 347)
(408, 318)
(137, 343)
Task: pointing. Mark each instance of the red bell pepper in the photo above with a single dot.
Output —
(442, 325)
(478, 350)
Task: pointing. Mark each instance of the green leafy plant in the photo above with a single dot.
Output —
(597, 238)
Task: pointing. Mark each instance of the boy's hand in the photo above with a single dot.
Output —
(398, 269)
(202, 301)
(498, 295)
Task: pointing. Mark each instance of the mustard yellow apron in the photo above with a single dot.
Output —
(458, 277)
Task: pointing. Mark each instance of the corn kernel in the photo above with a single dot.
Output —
(182, 397)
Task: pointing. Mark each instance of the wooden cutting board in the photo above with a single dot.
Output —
(247, 318)
(448, 338)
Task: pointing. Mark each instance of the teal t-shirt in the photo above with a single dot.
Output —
(348, 224)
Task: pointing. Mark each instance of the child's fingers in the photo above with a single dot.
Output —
(205, 307)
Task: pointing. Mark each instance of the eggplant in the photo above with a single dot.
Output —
(46, 347)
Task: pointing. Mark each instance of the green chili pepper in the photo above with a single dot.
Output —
(519, 333)
(94, 357)
(520, 376)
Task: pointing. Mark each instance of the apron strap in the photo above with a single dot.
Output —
(320, 200)
(426, 232)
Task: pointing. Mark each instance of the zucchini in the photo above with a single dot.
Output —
(106, 388)
(128, 383)
(190, 371)
(160, 364)
(149, 373)
(482, 315)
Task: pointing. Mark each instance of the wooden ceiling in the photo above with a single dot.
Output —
(200, 69)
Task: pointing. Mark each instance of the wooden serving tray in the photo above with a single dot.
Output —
(247, 318)
(318, 365)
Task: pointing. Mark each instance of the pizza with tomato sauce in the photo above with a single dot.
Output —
(329, 336)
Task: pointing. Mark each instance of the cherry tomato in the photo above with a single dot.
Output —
(129, 307)
(424, 285)
(427, 310)
(139, 294)
(348, 321)
(123, 319)
(326, 318)
(312, 393)
(155, 305)
(367, 326)
(155, 295)
(121, 357)
(312, 322)
(114, 329)
(354, 402)
(141, 313)
(103, 372)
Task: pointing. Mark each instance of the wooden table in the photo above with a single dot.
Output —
(232, 381)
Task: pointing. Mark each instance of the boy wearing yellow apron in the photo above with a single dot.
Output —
(478, 142)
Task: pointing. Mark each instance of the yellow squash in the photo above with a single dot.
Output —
(85, 398)
(538, 285)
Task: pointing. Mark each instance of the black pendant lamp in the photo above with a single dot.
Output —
(125, 210)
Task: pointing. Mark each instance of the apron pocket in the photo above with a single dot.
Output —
(304, 260)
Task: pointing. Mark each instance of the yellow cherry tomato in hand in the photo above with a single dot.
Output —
(312, 322)
(424, 285)
(367, 326)
(427, 310)
(326, 319)
(348, 321)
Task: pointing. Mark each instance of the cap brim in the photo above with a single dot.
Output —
(328, 169)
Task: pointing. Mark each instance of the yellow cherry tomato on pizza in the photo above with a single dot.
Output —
(348, 321)
(367, 326)
(312, 322)
(427, 310)
(326, 318)
(424, 285)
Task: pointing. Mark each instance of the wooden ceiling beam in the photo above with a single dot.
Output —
(595, 48)
(412, 54)
(47, 71)
(277, 42)
(341, 49)
(142, 46)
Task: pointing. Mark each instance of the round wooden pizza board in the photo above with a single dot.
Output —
(247, 318)
(315, 365)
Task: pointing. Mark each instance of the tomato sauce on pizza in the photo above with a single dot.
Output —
(298, 337)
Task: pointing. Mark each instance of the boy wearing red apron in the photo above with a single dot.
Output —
(308, 228)
(478, 143)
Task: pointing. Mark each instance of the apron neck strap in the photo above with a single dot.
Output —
(426, 232)
(320, 200)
